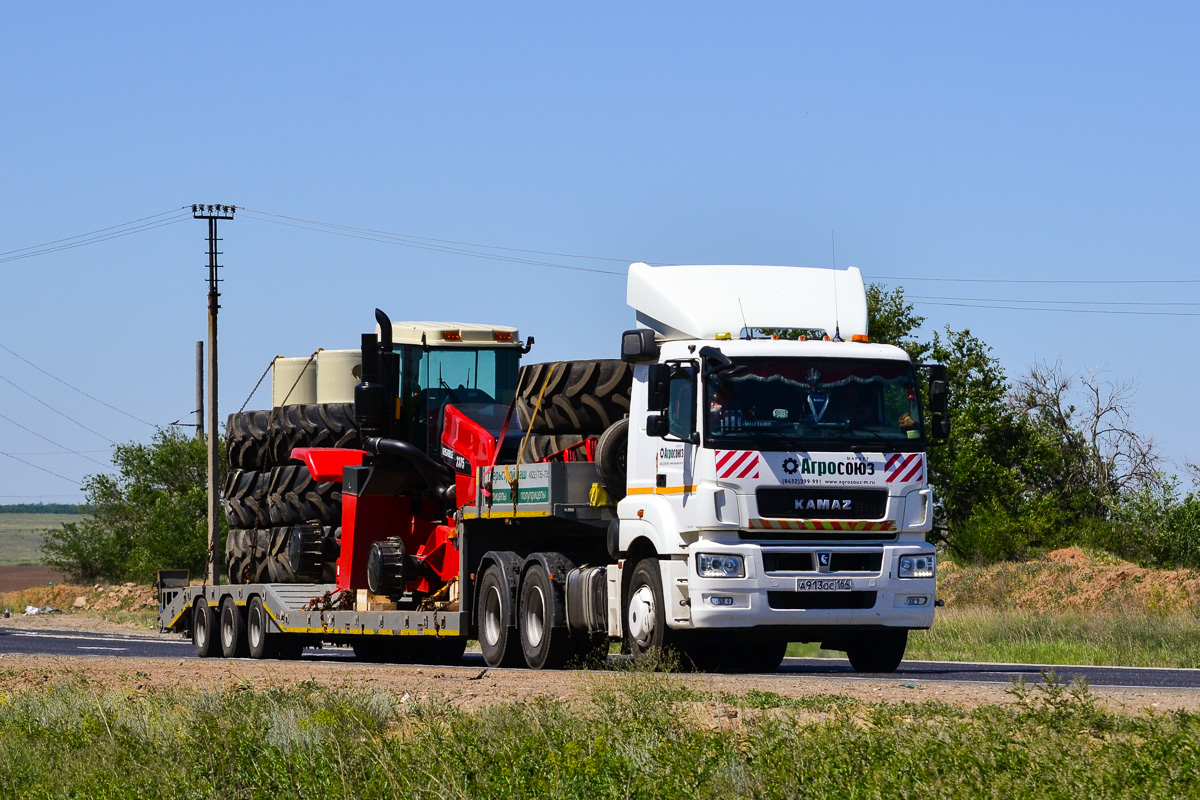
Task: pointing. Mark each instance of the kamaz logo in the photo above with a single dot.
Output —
(822, 505)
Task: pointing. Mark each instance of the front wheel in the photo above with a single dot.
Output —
(645, 611)
(881, 651)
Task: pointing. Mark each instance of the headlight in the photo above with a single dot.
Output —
(719, 566)
(917, 566)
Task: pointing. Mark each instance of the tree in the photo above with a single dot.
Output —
(151, 514)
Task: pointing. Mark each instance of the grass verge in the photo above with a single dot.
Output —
(635, 735)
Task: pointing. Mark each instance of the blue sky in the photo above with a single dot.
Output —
(1015, 142)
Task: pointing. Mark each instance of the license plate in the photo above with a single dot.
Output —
(823, 585)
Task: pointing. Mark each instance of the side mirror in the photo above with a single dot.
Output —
(939, 388)
(656, 425)
(658, 390)
(939, 427)
(639, 345)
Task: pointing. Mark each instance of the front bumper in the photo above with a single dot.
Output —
(775, 594)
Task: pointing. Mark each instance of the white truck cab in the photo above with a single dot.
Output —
(780, 484)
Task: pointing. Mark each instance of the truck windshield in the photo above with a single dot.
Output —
(461, 375)
(813, 403)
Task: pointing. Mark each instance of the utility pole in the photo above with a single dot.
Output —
(212, 214)
(199, 389)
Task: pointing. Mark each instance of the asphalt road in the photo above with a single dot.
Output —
(74, 643)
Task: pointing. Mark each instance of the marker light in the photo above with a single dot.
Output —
(859, 337)
(502, 336)
(723, 336)
(451, 336)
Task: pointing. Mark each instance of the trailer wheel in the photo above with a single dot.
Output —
(645, 611)
(611, 454)
(545, 646)
(880, 651)
(233, 630)
(497, 638)
(204, 629)
(260, 642)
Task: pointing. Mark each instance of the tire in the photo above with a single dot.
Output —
(539, 446)
(232, 630)
(311, 425)
(646, 628)
(239, 555)
(204, 629)
(245, 498)
(246, 435)
(260, 641)
(545, 646)
(612, 451)
(580, 397)
(880, 651)
(497, 639)
(294, 497)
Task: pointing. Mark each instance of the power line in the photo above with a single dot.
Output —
(1096, 282)
(398, 240)
(1053, 302)
(1071, 310)
(43, 469)
(51, 441)
(91, 233)
(75, 388)
(55, 410)
(41, 250)
(440, 241)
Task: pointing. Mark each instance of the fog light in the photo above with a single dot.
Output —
(918, 601)
(709, 565)
(721, 601)
(917, 566)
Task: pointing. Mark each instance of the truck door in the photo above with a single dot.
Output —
(676, 457)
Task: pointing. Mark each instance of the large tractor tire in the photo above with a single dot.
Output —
(246, 435)
(538, 446)
(239, 555)
(258, 440)
(311, 425)
(295, 497)
(577, 397)
(246, 494)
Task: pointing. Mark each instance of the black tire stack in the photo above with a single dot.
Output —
(267, 494)
(579, 399)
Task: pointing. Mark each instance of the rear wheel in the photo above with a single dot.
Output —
(233, 630)
(260, 641)
(204, 629)
(880, 651)
(497, 639)
(545, 646)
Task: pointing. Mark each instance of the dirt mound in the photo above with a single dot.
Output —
(129, 597)
(1071, 580)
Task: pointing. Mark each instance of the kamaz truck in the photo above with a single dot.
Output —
(751, 472)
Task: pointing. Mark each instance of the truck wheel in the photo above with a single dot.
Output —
(260, 642)
(204, 629)
(611, 452)
(881, 651)
(544, 645)
(497, 638)
(233, 630)
(645, 611)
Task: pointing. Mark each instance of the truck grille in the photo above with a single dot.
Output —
(838, 562)
(784, 502)
(820, 601)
